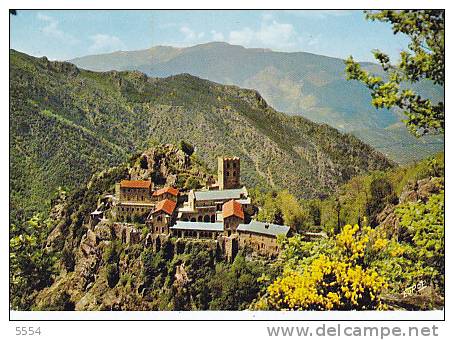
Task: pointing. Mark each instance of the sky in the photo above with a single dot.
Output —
(62, 35)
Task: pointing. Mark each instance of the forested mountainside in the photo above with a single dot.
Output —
(67, 123)
(296, 83)
(60, 263)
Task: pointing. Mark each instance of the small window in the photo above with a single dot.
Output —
(234, 173)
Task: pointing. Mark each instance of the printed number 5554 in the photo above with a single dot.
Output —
(28, 330)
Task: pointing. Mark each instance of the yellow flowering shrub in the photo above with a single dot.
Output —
(352, 241)
(327, 285)
(380, 244)
(337, 280)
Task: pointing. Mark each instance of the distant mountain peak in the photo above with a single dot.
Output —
(298, 83)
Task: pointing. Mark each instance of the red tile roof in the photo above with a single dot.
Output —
(135, 184)
(232, 208)
(168, 206)
(170, 190)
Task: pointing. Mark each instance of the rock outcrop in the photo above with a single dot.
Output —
(414, 191)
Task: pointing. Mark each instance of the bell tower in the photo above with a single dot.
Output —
(228, 172)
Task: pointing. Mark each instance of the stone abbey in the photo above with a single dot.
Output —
(222, 213)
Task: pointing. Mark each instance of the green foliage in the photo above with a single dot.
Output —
(359, 200)
(400, 257)
(204, 283)
(424, 225)
(381, 194)
(233, 287)
(58, 302)
(112, 252)
(423, 61)
(315, 214)
(154, 266)
(280, 208)
(192, 183)
(31, 264)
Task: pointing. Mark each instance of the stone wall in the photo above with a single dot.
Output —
(135, 195)
(265, 245)
(228, 173)
(231, 224)
(124, 210)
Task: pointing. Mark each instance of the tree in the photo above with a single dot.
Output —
(68, 260)
(282, 208)
(192, 183)
(382, 193)
(31, 264)
(423, 61)
(424, 222)
(144, 162)
(112, 275)
(187, 148)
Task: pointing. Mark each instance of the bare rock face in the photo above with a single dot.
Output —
(414, 191)
(171, 180)
(160, 163)
(420, 190)
(410, 193)
(426, 299)
(165, 165)
(181, 276)
(103, 232)
(56, 214)
(427, 187)
(388, 221)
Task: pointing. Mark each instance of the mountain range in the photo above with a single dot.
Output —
(298, 83)
(67, 123)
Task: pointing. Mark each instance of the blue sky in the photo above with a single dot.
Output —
(64, 35)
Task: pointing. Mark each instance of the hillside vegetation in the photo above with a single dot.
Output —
(300, 83)
(67, 123)
(384, 236)
(57, 263)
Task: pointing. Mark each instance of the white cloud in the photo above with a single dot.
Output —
(271, 33)
(217, 36)
(188, 33)
(52, 29)
(190, 36)
(103, 43)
